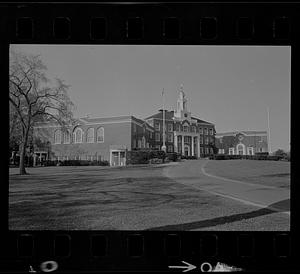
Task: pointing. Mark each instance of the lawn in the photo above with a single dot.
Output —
(271, 173)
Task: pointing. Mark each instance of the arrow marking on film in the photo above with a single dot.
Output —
(187, 266)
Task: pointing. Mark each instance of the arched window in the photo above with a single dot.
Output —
(57, 136)
(90, 135)
(67, 137)
(100, 135)
(77, 135)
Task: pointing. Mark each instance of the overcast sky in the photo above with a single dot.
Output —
(230, 86)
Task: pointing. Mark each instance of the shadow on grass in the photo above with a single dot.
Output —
(281, 206)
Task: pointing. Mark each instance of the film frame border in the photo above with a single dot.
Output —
(207, 24)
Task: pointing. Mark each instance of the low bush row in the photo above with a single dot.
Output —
(248, 157)
(75, 163)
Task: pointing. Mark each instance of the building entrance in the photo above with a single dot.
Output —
(117, 158)
(186, 150)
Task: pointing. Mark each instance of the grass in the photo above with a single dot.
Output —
(271, 173)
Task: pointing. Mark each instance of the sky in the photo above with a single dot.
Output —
(229, 86)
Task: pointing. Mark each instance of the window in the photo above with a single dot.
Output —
(211, 132)
(67, 137)
(201, 150)
(170, 137)
(205, 131)
(100, 135)
(261, 149)
(201, 140)
(193, 128)
(221, 140)
(157, 126)
(147, 145)
(57, 136)
(157, 137)
(211, 150)
(206, 150)
(170, 148)
(134, 127)
(139, 143)
(170, 127)
(90, 135)
(201, 130)
(185, 128)
(151, 135)
(206, 140)
(78, 135)
(261, 139)
(231, 151)
(221, 151)
(143, 142)
(250, 151)
(177, 127)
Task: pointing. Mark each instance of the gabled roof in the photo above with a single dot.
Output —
(170, 114)
(245, 132)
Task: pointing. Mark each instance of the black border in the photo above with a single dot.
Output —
(154, 257)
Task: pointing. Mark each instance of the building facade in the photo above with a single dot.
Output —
(242, 142)
(93, 139)
(185, 134)
(110, 138)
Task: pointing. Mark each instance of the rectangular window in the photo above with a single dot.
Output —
(201, 140)
(221, 140)
(211, 132)
(206, 140)
(193, 128)
(170, 127)
(231, 151)
(157, 126)
(206, 150)
(185, 128)
(205, 131)
(139, 143)
(261, 139)
(170, 148)
(157, 137)
(170, 137)
(201, 130)
(221, 151)
(201, 150)
(177, 127)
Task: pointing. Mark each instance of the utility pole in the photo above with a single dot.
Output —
(164, 131)
(269, 132)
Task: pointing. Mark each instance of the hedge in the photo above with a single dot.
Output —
(76, 163)
(248, 157)
(144, 156)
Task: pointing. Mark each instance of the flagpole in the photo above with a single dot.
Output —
(269, 132)
(164, 136)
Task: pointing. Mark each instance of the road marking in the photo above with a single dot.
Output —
(231, 180)
(166, 173)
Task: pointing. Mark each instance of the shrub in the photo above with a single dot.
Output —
(172, 156)
(143, 156)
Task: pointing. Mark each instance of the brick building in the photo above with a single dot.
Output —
(242, 142)
(110, 138)
(94, 139)
(185, 134)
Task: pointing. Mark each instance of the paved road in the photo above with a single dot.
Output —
(193, 173)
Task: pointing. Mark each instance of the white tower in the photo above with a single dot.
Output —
(182, 112)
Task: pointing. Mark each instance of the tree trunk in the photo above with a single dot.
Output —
(23, 152)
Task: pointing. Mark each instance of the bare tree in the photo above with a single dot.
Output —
(34, 98)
